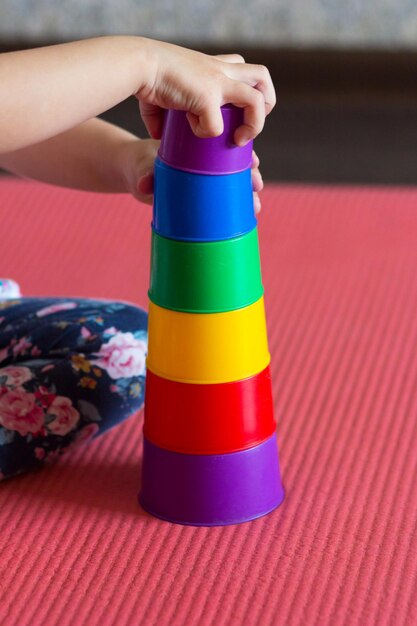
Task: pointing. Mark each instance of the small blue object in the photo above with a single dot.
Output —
(197, 207)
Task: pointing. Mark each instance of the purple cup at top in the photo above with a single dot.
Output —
(183, 150)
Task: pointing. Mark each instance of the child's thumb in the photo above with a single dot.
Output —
(153, 118)
(145, 184)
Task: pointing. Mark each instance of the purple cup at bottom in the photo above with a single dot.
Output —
(211, 490)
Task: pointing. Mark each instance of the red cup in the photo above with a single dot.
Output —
(208, 418)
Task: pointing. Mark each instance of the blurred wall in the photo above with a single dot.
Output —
(272, 23)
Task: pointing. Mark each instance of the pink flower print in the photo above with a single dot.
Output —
(86, 433)
(47, 368)
(19, 411)
(54, 308)
(110, 331)
(53, 455)
(21, 346)
(85, 333)
(2, 319)
(83, 436)
(123, 356)
(40, 453)
(16, 376)
(44, 397)
(66, 417)
(35, 351)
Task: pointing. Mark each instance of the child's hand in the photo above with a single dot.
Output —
(257, 182)
(200, 84)
(137, 164)
(44, 138)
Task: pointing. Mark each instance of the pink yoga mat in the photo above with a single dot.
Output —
(340, 274)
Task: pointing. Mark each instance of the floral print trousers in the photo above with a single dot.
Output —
(70, 369)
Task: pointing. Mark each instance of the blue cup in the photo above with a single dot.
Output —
(199, 207)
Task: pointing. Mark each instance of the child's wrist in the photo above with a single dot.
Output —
(143, 63)
(135, 60)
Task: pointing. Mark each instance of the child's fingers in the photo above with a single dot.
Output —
(256, 202)
(247, 86)
(230, 58)
(145, 183)
(256, 76)
(153, 118)
(255, 159)
(145, 187)
(253, 103)
(208, 121)
(257, 182)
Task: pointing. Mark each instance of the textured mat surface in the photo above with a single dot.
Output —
(340, 272)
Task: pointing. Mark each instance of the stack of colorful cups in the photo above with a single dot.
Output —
(210, 452)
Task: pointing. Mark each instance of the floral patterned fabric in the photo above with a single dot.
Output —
(70, 369)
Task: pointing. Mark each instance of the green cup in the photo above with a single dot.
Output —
(207, 277)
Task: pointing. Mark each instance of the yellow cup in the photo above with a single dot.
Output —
(207, 348)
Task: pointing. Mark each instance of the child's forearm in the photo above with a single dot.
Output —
(86, 157)
(48, 90)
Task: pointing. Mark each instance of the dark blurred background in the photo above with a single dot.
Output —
(346, 76)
